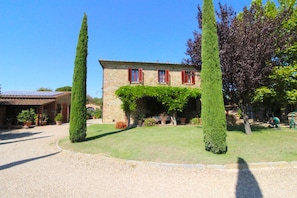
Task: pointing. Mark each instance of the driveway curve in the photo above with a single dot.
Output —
(32, 165)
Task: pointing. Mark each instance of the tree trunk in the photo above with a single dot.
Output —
(173, 119)
(128, 119)
(247, 126)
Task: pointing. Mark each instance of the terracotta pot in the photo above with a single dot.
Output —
(58, 122)
(183, 121)
(27, 124)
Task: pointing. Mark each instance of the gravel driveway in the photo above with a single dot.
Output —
(32, 165)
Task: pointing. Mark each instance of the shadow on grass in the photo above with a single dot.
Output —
(247, 185)
(105, 134)
(240, 127)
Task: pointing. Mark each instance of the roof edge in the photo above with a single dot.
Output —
(104, 62)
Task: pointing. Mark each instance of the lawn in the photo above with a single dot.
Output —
(184, 144)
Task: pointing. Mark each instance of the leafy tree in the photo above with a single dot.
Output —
(78, 114)
(44, 89)
(249, 47)
(212, 111)
(97, 101)
(65, 88)
(281, 91)
(174, 99)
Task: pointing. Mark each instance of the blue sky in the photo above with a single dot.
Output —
(39, 37)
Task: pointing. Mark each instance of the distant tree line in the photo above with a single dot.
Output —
(90, 99)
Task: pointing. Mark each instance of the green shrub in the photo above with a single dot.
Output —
(90, 113)
(195, 121)
(26, 115)
(97, 113)
(239, 113)
(59, 117)
(149, 122)
(231, 119)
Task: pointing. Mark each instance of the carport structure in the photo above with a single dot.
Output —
(11, 103)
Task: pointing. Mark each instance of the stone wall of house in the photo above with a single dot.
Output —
(115, 75)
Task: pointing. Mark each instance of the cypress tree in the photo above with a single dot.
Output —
(77, 129)
(213, 111)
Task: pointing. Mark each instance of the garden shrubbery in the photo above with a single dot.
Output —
(120, 125)
(149, 122)
(231, 119)
(195, 121)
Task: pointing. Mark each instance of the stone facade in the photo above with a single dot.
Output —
(116, 74)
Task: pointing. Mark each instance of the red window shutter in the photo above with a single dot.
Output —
(167, 76)
(140, 76)
(129, 74)
(193, 78)
(183, 73)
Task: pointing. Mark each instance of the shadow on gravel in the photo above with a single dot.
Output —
(16, 135)
(25, 140)
(10, 165)
(247, 185)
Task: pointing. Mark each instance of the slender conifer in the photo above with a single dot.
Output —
(77, 129)
(213, 111)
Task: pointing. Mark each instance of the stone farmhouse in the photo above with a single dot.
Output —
(122, 73)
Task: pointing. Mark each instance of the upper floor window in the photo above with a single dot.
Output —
(188, 77)
(135, 75)
(163, 76)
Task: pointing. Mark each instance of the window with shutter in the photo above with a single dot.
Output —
(167, 76)
(193, 78)
(140, 75)
(188, 77)
(183, 74)
(129, 75)
(161, 76)
(135, 75)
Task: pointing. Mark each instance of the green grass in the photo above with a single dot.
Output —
(184, 144)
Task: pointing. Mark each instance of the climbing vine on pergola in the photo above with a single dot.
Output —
(174, 99)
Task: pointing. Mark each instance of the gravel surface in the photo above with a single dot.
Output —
(32, 165)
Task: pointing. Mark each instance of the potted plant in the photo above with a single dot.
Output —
(27, 117)
(59, 118)
(44, 118)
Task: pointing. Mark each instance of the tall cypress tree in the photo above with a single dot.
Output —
(77, 129)
(213, 111)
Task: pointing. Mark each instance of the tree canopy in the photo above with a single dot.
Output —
(65, 88)
(44, 89)
(250, 46)
(174, 99)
